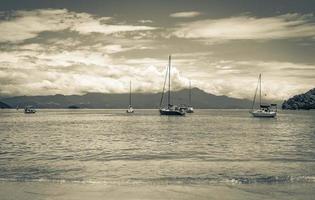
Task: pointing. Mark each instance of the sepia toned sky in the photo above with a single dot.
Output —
(75, 47)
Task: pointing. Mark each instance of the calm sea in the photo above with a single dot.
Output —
(112, 147)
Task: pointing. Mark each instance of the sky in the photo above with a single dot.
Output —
(221, 46)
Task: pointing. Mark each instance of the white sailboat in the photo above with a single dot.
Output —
(170, 109)
(130, 108)
(263, 110)
(190, 108)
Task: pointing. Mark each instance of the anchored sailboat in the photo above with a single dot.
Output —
(190, 109)
(263, 110)
(29, 110)
(169, 109)
(130, 108)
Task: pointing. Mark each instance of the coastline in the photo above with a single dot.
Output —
(81, 191)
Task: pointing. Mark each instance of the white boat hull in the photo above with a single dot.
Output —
(130, 110)
(30, 112)
(190, 110)
(262, 113)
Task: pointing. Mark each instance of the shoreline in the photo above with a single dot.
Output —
(81, 191)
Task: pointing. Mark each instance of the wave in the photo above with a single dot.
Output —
(236, 180)
(178, 180)
(273, 179)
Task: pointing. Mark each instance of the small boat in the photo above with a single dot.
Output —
(170, 109)
(264, 110)
(130, 108)
(190, 108)
(29, 110)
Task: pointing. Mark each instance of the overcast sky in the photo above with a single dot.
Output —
(75, 47)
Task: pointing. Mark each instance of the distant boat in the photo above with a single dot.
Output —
(73, 107)
(190, 108)
(263, 110)
(169, 109)
(130, 108)
(29, 110)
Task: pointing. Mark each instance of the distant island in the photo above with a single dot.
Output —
(304, 101)
(200, 99)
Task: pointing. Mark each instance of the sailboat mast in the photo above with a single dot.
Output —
(254, 100)
(259, 89)
(189, 92)
(169, 80)
(165, 80)
(130, 93)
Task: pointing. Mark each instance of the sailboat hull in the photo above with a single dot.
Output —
(264, 114)
(190, 110)
(130, 111)
(171, 112)
(30, 112)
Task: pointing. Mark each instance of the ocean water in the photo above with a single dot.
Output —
(110, 147)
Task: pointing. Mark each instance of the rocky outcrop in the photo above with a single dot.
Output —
(302, 101)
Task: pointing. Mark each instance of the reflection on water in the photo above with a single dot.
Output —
(110, 146)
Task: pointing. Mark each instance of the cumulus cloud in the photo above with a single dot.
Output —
(77, 72)
(81, 70)
(22, 25)
(189, 14)
(239, 78)
(96, 68)
(246, 27)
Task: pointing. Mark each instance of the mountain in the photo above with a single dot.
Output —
(4, 105)
(304, 101)
(200, 99)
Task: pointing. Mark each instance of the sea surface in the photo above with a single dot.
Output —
(112, 148)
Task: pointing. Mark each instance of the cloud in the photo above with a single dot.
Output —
(80, 70)
(64, 55)
(239, 78)
(145, 21)
(114, 48)
(22, 25)
(249, 28)
(55, 68)
(77, 72)
(68, 58)
(96, 27)
(185, 14)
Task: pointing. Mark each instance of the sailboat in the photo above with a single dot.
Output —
(169, 109)
(263, 110)
(130, 108)
(190, 109)
(29, 110)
